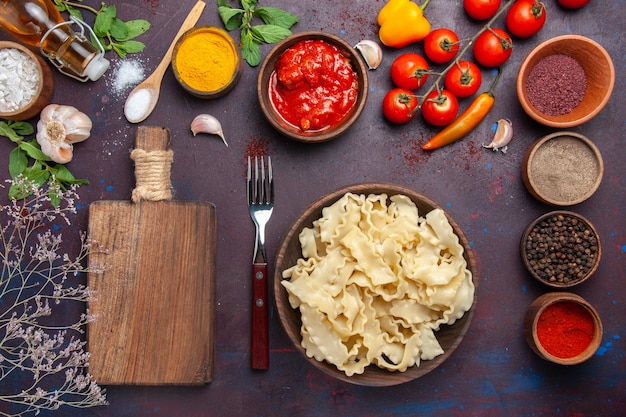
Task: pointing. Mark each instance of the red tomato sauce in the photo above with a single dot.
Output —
(313, 86)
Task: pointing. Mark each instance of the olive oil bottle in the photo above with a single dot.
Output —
(38, 23)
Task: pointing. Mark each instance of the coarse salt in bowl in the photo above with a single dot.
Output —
(26, 83)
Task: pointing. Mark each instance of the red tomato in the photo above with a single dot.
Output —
(441, 45)
(463, 79)
(481, 9)
(573, 4)
(440, 108)
(493, 47)
(397, 105)
(409, 71)
(525, 18)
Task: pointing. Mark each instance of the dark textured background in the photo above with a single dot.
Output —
(493, 372)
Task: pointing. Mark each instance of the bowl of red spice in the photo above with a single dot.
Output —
(561, 249)
(565, 81)
(26, 83)
(312, 86)
(206, 62)
(574, 177)
(562, 328)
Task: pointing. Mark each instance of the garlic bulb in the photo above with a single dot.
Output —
(205, 123)
(371, 52)
(58, 128)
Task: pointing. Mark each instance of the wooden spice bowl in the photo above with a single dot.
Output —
(448, 336)
(554, 351)
(45, 87)
(599, 73)
(286, 128)
(562, 169)
(561, 255)
(206, 62)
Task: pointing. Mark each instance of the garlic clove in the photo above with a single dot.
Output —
(205, 123)
(502, 137)
(371, 52)
(77, 127)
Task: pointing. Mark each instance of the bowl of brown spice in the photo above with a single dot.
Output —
(563, 328)
(562, 168)
(565, 81)
(26, 83)
(561, 249)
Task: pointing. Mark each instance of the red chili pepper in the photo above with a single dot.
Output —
(466, 122)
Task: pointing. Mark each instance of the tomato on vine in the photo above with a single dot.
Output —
(573, 4)
(463, 79)
(440, 108)
(525, 18)
(441, 45)
(409, 71)
(481, 9)
(493, 47)
(398, 105)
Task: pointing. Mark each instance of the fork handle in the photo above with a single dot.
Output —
(260, 328)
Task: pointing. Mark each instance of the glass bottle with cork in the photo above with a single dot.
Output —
(39, 23)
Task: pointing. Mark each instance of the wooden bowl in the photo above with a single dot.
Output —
(545, 263)
(44, 90)
(190, 76)
(286, 128)
(575, 176)
(449, 337)
(599, 72)
(534, 313)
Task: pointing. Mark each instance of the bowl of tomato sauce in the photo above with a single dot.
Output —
(312, 86)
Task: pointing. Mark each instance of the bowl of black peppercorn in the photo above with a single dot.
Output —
(561, 249)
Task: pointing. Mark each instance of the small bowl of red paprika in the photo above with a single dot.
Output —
(312, 86)
(563, 328)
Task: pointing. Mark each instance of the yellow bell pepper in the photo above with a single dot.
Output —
(402, 22)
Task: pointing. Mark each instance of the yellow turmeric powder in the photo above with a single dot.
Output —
(206, 59)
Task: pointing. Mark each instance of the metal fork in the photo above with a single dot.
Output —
(260, 190)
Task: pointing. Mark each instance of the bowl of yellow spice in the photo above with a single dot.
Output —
(206, 62)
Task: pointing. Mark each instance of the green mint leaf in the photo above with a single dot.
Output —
(54, 196)
(118, 29)
(7, 130)
(119, 50)
(64, 176)
(130, 47)
(135, 28)
(32, 150)
(22, 128)
(276, 16)
(270, 33)
(37, 175)
(18, 162)
(231, 17)
(248, 5)
(104, 20)
(250, 51)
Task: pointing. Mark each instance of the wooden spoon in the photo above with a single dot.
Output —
(143, 99)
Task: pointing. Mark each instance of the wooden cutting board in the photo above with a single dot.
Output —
(155, 301)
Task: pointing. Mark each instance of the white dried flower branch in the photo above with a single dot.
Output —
(42, 354)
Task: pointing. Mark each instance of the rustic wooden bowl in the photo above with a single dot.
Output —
(45, 87)
(232, 50)
(575, 176)
(533, 314)
(449, 337)
(535, 226)
(599, 71)
(294, 132)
